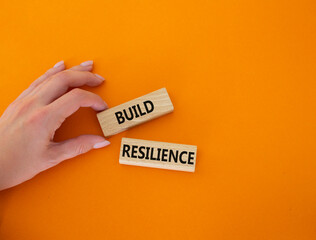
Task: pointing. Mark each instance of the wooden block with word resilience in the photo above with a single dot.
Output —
(158, 154)
(117, 119)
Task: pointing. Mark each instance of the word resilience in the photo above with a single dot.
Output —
(158, 154)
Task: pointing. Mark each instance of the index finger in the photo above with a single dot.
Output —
(70, 102)
(58, 84)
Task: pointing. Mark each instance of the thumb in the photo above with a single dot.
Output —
(79, 145)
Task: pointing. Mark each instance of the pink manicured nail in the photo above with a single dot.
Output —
(86, 63)
(59, 64)
(101, 144)
(99, 76)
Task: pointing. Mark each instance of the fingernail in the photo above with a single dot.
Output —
(106, 105)
(59, 64)
(99, 76)
(86, 63)
(101, 144)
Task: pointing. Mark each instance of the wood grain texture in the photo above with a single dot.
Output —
(147, 154)
(142, 109)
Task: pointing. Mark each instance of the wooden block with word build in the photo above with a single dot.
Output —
(158, 154)
(117, 119)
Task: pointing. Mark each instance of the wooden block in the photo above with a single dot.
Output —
(117, 119)
(158, 154)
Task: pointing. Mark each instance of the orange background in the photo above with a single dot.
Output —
(241, 75)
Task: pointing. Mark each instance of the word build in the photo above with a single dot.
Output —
(134, 112)
(158, 154)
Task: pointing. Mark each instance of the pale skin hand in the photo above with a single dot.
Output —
(28, 125)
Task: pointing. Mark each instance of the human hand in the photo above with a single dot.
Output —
(28, 125)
